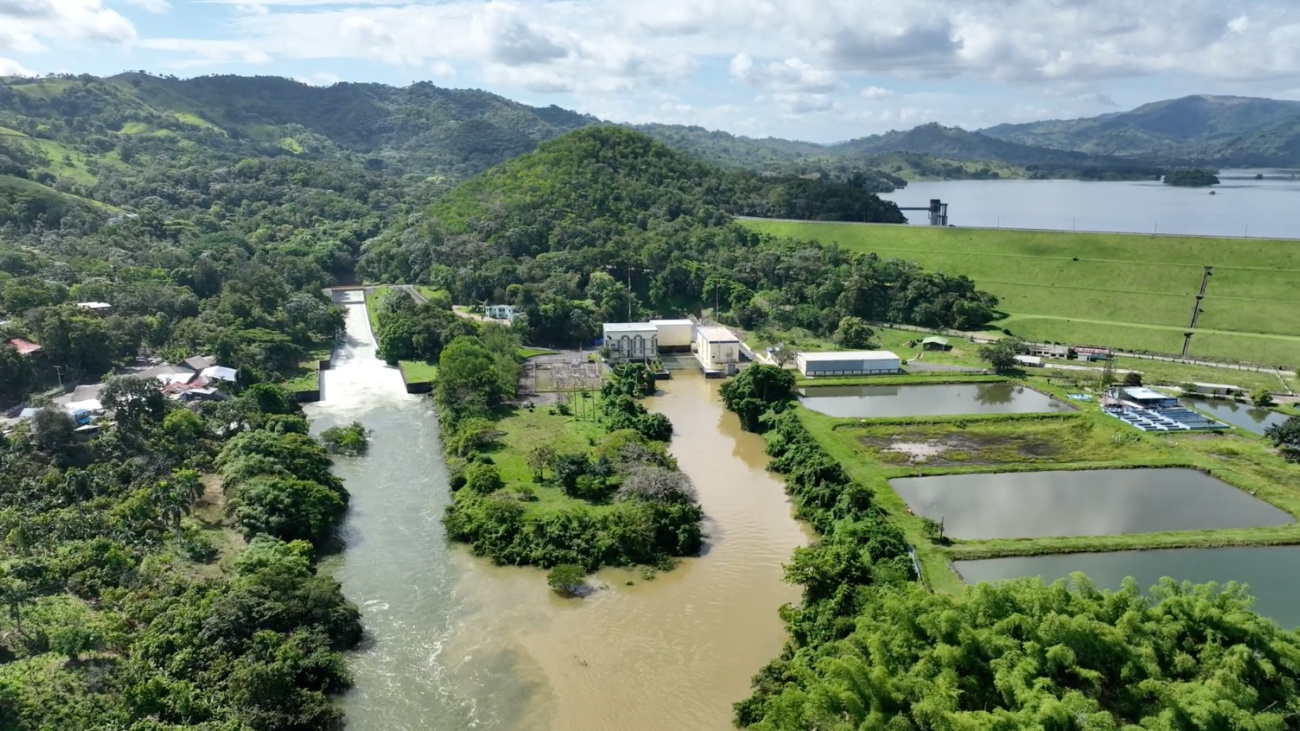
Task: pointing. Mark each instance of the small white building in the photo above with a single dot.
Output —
(848, 363)
(631, 340)
(674, 334)
(1029, 361)
(500, 312)
(99, 308)
(716, 348)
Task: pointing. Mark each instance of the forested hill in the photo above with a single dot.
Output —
(562, 230)
(1223, 130)
(420, 128)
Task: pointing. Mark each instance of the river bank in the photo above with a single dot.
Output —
(453, 642)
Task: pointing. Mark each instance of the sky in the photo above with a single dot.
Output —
(819, 70)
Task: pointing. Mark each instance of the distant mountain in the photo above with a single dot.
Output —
(421, 128)
(927, 151)
(1224, 130)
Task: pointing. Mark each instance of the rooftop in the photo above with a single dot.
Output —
(94, 305)
(1142, 393)
(717, 334)
(24, 347)
(850, 355)
(671, 322)
(628, 327)
(935, 339)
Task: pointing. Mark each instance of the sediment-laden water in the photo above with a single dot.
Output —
(1083, 503)
(948, 399)
(454, 642)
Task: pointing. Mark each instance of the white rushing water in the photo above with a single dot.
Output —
(453, 642)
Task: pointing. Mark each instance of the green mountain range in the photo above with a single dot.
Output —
(1202, 129)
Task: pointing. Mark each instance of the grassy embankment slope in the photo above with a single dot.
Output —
(414, 371)
(1124, 291)
(1083, 440)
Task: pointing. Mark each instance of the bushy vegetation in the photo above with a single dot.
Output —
(857, 551)
(352, 440)
(757, 390)
(130, 603)
(614, 503)
(1191, 178)
(1025, 655)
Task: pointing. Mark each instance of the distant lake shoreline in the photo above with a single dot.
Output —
(1241, 207)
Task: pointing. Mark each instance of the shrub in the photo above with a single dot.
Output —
(482, 478)
(352, 440)
(566, 578)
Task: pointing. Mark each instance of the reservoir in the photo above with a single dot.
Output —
(1271, 572)
(949, 399)
(1247, 417)
(1083, 503)
(1240, 206)
(453, 642)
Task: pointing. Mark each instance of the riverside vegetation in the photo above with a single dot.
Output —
(163, 575)
(559, 490)
(861, 649)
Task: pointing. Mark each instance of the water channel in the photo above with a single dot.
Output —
(1083, 503)
(453, 642)
(1250, 418)
(1269, 571)
(1240, 206)
(941, 400)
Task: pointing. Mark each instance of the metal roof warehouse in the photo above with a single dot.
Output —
(848, 363)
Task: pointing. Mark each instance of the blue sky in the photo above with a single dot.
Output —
(821, 70)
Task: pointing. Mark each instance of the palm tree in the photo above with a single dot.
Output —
(175, 497)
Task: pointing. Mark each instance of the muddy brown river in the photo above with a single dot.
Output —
(454, 642)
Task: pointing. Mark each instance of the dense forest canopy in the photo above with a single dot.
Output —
(1025, 655)
(562, 231)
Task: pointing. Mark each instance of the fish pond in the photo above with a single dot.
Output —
(1247, 417)
(949, 399)
(1083, 503)
(1271, 572)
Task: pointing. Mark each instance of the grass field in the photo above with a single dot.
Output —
(1126, 291)
(874, 451)
(522, 431)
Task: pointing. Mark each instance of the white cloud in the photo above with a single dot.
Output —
(791, 74)
(442, 70)
(875, 92)
(30, 25)
(10, 67)
(152, 6)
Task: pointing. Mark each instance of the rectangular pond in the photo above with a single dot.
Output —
(949, 399)
(1247, 417)
(1083, 503)
(1272, 572)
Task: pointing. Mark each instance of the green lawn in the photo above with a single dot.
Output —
(372, 307)
(524, 430)
(306, 377)
(526, 353)
(1118, 290)
(418, 371)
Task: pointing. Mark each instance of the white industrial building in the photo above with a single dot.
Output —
(717, 349)
(631, 340)
(674, 334)
(848, 363)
